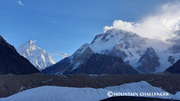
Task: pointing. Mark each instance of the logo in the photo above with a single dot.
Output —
(110, 94)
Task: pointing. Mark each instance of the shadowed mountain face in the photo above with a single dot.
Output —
(175, 69)
(70, 63)
(96, 64)
(149, 62)
(84, 60)
(11, 62)
(59, 67)
(103, 64)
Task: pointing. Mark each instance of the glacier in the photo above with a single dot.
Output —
(54, 93)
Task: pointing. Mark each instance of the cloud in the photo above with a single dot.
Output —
(176, 38)
(20, 3)
(161, 25)
(34, 41)
(64, 55)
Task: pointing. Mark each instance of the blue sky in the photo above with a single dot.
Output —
(62, 26)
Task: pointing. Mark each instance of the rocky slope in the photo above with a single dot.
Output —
(70, 63)
(149, 62)
(104, 64)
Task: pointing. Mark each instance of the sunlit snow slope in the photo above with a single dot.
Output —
(37, 56)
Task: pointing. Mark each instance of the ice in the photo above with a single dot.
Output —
(54, 93)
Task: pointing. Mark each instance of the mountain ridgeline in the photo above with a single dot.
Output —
(118, 52)
(104, 64)
(11, 62)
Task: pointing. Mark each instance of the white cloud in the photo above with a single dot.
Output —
(161, 25)
(64, 55)
(20, 3)
(57, 54)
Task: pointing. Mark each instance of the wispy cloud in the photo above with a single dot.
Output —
(64, 55)
(160, 25)
(20, 3)
(34, 41)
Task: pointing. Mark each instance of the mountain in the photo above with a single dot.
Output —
(175, 49)
(174, 69)
(119, 43)
(37, 56)
(132, 48)
(11, 62)
(149, 62)
(143, 54)
(54, 93)
(174, 59)
(84, 60)
(104, 64)
(70, 63)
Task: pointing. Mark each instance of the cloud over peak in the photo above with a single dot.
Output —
(160, 25)
(64, 55)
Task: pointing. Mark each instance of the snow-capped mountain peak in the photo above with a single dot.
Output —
(130, 47)
(81, 55)
(37, 56)
(112, 37)
(80, 50)
(120, 43)
(26, 48)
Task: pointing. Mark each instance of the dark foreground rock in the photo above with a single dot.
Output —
(11, 62)
(130, 98)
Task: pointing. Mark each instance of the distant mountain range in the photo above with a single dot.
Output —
(118, 52)
(11, 62)
(37, 56)
(112, 52)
